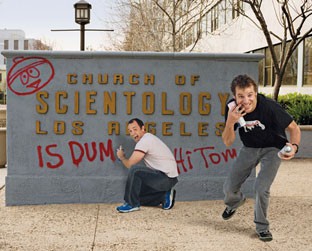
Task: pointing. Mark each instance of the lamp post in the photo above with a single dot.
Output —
(82, 17)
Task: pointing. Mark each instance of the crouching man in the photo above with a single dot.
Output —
(150, 185)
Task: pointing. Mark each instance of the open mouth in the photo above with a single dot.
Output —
(34, 85)
(248, 107)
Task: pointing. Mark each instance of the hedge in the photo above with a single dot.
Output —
(299, 106)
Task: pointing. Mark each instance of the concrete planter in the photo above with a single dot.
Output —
(2, 136)
(306, 142)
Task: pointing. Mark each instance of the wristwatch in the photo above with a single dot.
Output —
(294, 144)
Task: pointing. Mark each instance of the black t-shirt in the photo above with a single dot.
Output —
(265, 126)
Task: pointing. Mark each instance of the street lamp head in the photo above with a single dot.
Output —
(82, 12)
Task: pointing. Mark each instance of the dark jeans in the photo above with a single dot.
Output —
(147, 187)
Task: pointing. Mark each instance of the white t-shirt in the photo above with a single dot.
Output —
(158, 156)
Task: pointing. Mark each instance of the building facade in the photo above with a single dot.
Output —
(224, 30)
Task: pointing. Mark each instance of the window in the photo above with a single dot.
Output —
(291, 72)
(26, 45)
(204, 24)
(209, 21)
(236, 6)
(222, 12)
(15, 44)
(260, 68)
(214, 18)
(188, 37)
(196, 32)
(268, 69)
(6, 44)
(228, 11)
(307, 74)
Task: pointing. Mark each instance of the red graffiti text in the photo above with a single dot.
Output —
(207, 154)
(78, 152)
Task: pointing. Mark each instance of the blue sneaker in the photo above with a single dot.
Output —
(126, 208)
(170, 197)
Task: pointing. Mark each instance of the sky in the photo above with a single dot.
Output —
(38, 17)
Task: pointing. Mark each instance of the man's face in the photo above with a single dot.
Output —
(247, 97)
(135, 131)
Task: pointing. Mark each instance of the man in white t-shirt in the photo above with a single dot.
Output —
(150, 185)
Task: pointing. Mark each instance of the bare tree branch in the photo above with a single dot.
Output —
(292, 21)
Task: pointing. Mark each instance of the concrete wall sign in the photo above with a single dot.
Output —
(67, 112)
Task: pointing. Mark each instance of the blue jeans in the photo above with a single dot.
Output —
(248, 158)
(147, 187)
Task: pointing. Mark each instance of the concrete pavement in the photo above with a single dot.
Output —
(193, 225)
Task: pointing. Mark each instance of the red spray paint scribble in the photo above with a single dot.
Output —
(25, 78)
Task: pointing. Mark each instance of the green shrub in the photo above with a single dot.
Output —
(299, 106)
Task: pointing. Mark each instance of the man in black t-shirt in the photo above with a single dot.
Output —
(262, 133)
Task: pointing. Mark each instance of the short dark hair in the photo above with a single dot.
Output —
(140, 122)
(242, 82)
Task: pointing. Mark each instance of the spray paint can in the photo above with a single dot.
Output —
(241, 120)
(285, 149)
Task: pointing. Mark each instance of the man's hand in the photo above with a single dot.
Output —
(288, 155)
(135, 157)
(120, 153)
(235, 112)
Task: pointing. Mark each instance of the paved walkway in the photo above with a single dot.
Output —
(188, 226)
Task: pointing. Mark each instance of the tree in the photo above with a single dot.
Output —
(145, 30)
(161, 25)
(182, 16)
(40, 45)
(293, 15)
